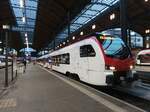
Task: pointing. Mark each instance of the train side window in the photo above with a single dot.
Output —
(83, 51)
(90, 51)
(87, 51)
(55, 60)
(65, 58)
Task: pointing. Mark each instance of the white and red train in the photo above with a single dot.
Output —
(95, 59)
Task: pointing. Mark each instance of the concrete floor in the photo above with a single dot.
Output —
(39, 91)
(2, 76)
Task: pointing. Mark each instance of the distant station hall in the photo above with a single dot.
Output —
(74, 56)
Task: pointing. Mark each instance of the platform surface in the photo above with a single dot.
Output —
(143, 68)
(38, 90)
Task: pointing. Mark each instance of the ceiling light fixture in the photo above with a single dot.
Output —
(112, 16)
(81, 33)
(93, 26)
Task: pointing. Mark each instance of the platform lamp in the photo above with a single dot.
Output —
(1, 49)
(6, 28)
(147, 32)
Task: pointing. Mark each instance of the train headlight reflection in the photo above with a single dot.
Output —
(112, 68)
(131, 66)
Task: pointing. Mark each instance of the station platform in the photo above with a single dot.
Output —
(144, 73)
(142, 68)
(42, 90)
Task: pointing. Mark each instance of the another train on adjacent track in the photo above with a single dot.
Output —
(143, 57)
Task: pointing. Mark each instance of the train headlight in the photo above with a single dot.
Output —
(112, 68)
(131, 66)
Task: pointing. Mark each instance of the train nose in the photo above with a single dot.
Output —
(120, 65)
(124, 65)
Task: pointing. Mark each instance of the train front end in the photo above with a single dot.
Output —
(118, 59)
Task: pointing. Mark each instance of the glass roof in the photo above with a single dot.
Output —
(25, 13)
(91, 11)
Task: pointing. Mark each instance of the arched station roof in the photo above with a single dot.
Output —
(138, 17)
(52, 18)
(7, 18)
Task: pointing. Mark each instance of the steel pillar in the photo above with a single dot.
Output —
(54, 44)
(129, 38)
(6, 59)
(144, 42)
(12, 70)
(68, 23)
(123, 20)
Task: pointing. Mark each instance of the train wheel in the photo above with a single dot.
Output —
(76, 77)
(67, 74)
(71, 76)
(117, 80)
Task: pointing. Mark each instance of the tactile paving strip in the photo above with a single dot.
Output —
(8, 103)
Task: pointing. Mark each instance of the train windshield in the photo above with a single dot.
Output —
(114, 47)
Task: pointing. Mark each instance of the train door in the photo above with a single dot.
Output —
(75, 60)
(96, 65)
(83, 63)
(93, 62)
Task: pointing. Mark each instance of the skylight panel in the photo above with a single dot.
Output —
(81, 20)
(31, 3)
(18, 12)
(25, 12)
(19, 22)
(74, 27)
(108, 1)
(90, 12)
(31, 14)
(30, 23)
(97, 7)
(29, 10)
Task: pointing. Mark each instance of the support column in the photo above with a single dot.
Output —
(12, 70)
(68, 23)
(2, 40)
(129, 38)
(54, 44)
(6, 59)
(123, 20)
(144, 42)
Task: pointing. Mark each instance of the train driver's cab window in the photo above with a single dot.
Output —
(87, 51)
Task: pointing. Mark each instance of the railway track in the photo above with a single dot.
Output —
(134, 100)
(139, 98)
(137, 94)
(127, 94)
